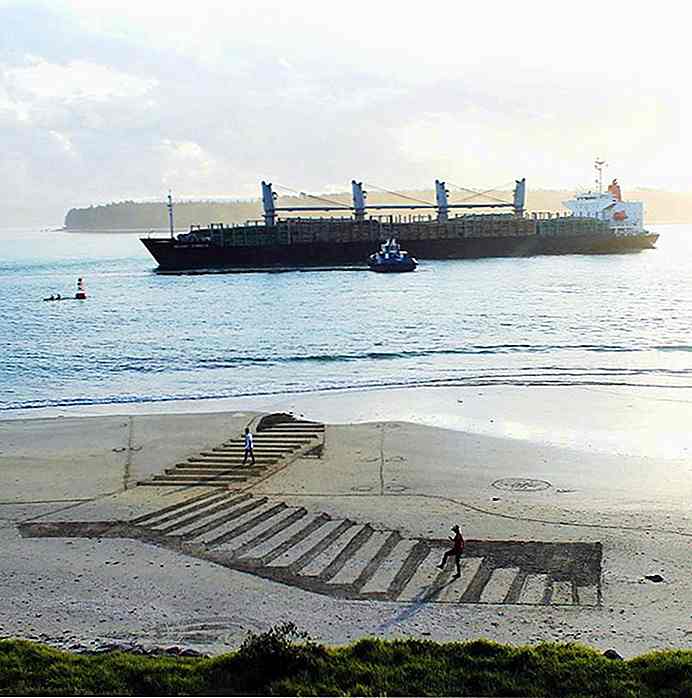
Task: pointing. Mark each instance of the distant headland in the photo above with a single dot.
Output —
(660, 207)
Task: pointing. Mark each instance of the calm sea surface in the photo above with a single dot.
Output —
(141, 336)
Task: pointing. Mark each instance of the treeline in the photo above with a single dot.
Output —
(132, 215)
(660, 207)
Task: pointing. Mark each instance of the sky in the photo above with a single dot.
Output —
(105, 100)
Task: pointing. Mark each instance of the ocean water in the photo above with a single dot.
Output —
(142, 336)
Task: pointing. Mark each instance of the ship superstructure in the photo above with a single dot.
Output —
(623, 217)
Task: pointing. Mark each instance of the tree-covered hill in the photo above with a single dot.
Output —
(660, 207)
(131, 215)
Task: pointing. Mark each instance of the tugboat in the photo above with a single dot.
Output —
(391, 258)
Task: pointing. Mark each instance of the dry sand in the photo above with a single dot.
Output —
(617, 462)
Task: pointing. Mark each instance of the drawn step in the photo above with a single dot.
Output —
(422, 576)
(562, 593)
(291, 432)
(238, 460)
(246, 469)
(268, 449)
(496, 589)
(223, 464)
(454, 589)
(210, 472)
(213, 480)
(267, 443)
(221, 500)
(337, 545)
(359, 560)
(217, 455)
(533, 590)
(189, 504)
(587, 596)
(383, 577)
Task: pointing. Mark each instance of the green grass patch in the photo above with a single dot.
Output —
(284, 661)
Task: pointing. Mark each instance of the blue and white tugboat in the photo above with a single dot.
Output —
(391, 258)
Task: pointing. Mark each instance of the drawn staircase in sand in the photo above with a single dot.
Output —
(275, 446)
(221, 521)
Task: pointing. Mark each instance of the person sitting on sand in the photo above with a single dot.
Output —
(456, 550)
(248, 447)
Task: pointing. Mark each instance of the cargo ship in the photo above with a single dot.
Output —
(597, 223)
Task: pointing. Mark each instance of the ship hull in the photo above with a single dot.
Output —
(173, 255)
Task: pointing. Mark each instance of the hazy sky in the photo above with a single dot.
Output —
(103, 100)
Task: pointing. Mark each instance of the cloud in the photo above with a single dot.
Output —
(75, 80)
(97, 103)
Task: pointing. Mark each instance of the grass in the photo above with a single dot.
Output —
(284, 662)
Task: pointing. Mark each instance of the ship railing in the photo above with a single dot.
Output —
(548, 215)
(403, 218)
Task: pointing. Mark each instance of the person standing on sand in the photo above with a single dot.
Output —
(248, 447)
(456, 550)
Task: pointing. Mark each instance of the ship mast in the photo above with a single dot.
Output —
(598, 165)
(169, 206)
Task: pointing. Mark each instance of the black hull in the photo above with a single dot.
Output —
(391, 269)
(172, 255)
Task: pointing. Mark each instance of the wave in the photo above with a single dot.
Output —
(600, 378)
(474, 350)
(187, 362)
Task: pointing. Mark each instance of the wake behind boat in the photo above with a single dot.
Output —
(391, 258)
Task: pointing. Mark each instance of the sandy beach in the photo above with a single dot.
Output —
(532, 472)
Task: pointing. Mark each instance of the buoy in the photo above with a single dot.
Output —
(81, 293)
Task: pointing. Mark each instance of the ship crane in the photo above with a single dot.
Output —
(360, 207)
(598, 166)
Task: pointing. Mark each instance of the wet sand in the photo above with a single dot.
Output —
(614, 468)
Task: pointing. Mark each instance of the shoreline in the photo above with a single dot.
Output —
(612, 419)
